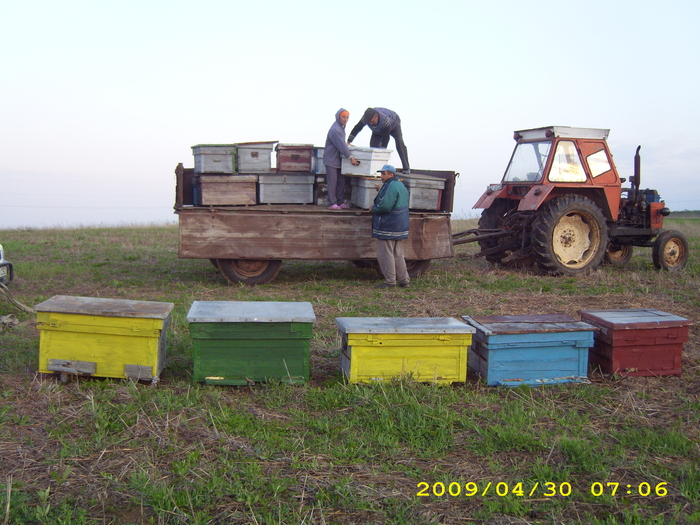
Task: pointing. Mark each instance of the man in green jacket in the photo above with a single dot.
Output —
(390, 221)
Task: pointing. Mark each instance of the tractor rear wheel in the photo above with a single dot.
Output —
(670, 251)
(569, 235)
(249, 271)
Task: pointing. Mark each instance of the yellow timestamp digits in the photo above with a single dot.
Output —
(489, 488)
(537, 489)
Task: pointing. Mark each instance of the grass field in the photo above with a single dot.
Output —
(618, 450)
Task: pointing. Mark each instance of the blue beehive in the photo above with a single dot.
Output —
(530, 349)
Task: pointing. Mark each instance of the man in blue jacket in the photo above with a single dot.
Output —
(390, 226)
(384, 123)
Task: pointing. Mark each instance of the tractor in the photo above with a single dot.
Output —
(561, 205)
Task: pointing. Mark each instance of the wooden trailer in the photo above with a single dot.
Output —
(248, 243)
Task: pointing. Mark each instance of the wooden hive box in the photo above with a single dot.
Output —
(530, 349)
(371, 160)
(432, 350)
(228, 190)
(286, 188)
(294, 157)
(254, 157)
(363, 191)
(239, 342)
(424, 191)
(637, 342)
(214, 158)
(102, 337)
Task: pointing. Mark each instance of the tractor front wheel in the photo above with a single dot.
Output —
(670, 251)
(569, 235)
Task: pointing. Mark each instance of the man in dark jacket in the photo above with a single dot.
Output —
(390, 226)
(384, 123)
(335, 148)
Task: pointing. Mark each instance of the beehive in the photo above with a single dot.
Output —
(364, 190)
(432, 350)
(254, 157)
(530, 349)
(371, 160)
(424, 191)
(286, 188)
(102, 337)
(637, 342)
(228, 190)
(294, 157)
(214, 158)
(239, 342)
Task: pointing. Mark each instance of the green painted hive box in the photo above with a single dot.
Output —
(100, 337)
(425, 349)
(239, 342)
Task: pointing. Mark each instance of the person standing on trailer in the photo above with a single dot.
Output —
(390, 221)
(335, 147)
(384, 123)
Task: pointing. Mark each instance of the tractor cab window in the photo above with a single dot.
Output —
(598, 163)
(528, 162)
(566, 164)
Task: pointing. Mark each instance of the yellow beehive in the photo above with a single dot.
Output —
(430, 350)
(102, 337)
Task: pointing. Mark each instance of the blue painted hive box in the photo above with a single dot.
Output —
(238, 342)
(533, 350)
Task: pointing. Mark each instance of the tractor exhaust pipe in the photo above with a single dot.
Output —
(636, 183)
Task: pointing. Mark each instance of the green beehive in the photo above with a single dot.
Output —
(237, 342)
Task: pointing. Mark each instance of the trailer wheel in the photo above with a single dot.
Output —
(670, 251)
(617, 255)
(249, 271)
(569, 235)
(416, 268)
(361, 263)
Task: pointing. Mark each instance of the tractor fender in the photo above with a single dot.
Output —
(489, 196)
(538, 195)
(535, 197)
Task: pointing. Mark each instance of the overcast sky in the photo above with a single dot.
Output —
(99, 101)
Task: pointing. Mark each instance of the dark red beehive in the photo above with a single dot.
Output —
(637, 342)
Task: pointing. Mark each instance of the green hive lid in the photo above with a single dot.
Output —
(250, 312)
(402, 325)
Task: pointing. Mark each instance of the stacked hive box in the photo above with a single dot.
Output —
(430, 350)
(254, 157)
(102, 337)
(530, 349)
(371, 160)
(425, 192)
(236, 343)
(637, 342)
(286, 188)
(294, 157)
(215, 182)
(364, 190)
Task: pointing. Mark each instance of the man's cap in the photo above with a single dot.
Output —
(388, 167)
(369, 115)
